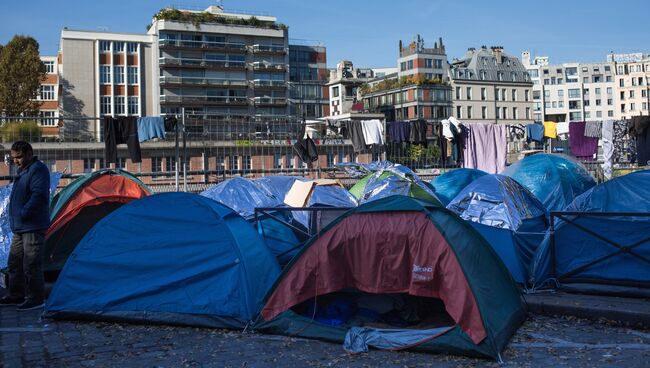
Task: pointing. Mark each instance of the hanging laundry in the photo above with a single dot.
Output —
(640, 129)
(305, 148)
(170, 123)
(550, 129)
(446, 129)
(485, 147)
(562, 131)
(624, 143)
(399, 131)
(582, 147)
(150, 127)
(373, 131)
(594, 129)
(123, 129)
(355, 132)
(608, 147)
(535, 132)
(517, 131)
(419, 132)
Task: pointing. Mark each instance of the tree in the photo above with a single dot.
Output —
(21, 71)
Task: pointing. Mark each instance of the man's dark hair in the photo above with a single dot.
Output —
(22, 147)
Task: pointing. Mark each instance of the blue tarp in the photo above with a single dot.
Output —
(5, 229)
(555, 179)
(278, 185)
(508, 216)
(173, 258)
(449, 184)
(242, 195)
(575, 248)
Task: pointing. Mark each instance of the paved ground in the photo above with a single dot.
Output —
(26, 341)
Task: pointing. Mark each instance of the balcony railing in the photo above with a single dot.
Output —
(269, 83)
(262, 65)
(269, 48)
(267, 100)
(202, 44)
(201, 62)
(207, 99)
(201, 81)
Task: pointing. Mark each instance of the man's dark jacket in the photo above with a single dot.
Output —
(30, 199)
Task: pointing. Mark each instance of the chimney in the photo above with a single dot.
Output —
(470, 52)
(497, 51)
(525, 58)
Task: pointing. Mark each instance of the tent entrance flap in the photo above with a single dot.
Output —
(384, 321)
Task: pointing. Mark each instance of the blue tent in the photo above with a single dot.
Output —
(173, 258)
(508, 216)
(242, 195)
(553, 178)
(449, 184)
(278, 185)
(575, 248)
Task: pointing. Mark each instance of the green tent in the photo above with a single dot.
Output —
(81, 204)
(397, 273)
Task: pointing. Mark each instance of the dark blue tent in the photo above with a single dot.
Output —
(449, 184)
(508, 216)
(553, 178)
(173, 258)
(575, 249)
(278, 185)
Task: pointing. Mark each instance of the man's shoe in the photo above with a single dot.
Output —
(11, 300)
(30, 305)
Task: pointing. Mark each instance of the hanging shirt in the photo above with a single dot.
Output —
(446, 130)
(355, 131)
(373, 131)
(535, 132)
(594, 129)
(550, 129)
(150, 127)
(123, 129)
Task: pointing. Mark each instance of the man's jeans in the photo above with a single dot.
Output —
(26, 266)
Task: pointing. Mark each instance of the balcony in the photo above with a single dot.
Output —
(204, 100)
(262, 66)
(185, 44)
(265, 83)
(202, 63)
(269, 49)
(200, 81)
(269, 101)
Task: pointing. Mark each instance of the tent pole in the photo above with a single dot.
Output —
(176, 168)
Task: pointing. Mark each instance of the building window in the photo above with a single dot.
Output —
(547, 94)
(498, 112)
(560, 104)
(248, 163)
(515, 113)
(587, 114)
(469, 112)
(599, 114)
(597, 91)
(586, 102)
(560, 93)
(47, 92)
(89, 165)
(132, 47)
(621, 82)
(104, 74)
(609, 90)
(484, 112)
(505, 112)
(133, 105)
(632, 107)
(335, 91)
(428, 63)
(610, 102)
(631, 94)
(610, 113)
(514, 95)
(132, 74)
(49, 67)
(409, 64)
(104, 46)
(608, 78)
(598, 102)
(483, 94)
(469, 93)
(459, 112)
(278, 162)
(156, 164)
(118, 71)
(504, 94)
(48, 118)
(105, 105)
(170, 163)
(234, 162)
(118, 47)
(527, 113)
(119, 105)
(622, 95)
(438, 63)
(574, 93)
(458, 93)
(330, 159)
(526, 95)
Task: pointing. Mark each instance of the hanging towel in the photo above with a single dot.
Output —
(123, 129)
(373, 131)
(562, 131)
(582, 147)
(550, 129)
(355, 131)
(535, 132)
(150, 127)
(608, 147)
(594, 129)
(485, 147)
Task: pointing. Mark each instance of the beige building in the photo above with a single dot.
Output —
(632, 74)
(490, 85)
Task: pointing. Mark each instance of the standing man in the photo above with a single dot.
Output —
(29, 219)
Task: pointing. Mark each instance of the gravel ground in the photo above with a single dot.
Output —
(27, 341)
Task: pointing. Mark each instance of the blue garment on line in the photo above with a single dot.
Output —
(150, 127)
(535, 132)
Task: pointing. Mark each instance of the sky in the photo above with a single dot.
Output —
(367, 32)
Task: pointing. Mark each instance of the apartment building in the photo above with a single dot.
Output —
(490, 85)
(308, 77)
(418, 90)
(221, 63)
(48, 97)
(632, 77)
(571, 91)
(104, 74)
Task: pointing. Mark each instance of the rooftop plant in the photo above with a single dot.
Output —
(205, 17)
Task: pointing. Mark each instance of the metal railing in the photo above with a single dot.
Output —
(269, 83)
(202, 62)
(207, 99)
(269, 48)
(202, 44)
(166, 79)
